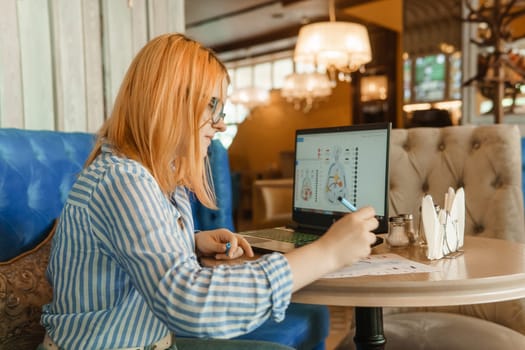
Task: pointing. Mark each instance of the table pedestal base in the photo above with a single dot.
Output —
(369, 328)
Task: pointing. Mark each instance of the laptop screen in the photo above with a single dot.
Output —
(349, 162)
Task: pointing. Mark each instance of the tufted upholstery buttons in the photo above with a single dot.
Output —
(478, 228)
(497, 183)
(37, 170)
(485, 161)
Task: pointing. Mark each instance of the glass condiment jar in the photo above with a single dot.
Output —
(397, 235)
(409, 228)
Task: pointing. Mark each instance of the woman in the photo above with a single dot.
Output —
(124, 266)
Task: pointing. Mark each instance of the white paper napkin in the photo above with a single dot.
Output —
(458, 215)
(444, 228)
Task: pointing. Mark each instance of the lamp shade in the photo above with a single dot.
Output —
(250, 97)
(303, 89)
(374, 87)
(340, 45)
(306, 85)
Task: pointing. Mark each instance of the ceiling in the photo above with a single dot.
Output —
(238, 29)
(243, 28)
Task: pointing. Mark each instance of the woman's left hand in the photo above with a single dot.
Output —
(213, 242)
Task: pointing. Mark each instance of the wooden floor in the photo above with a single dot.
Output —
(340, 320)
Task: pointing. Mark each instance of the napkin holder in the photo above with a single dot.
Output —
(444, 227)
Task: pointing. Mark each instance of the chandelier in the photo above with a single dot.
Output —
(374, 88)
(250, 97)
(332, 46)
(304, 89)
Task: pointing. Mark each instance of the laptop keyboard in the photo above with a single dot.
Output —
(297, 238)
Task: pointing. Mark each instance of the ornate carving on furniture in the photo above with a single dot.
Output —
(23, 291)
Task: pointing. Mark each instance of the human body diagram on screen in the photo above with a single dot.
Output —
(330, 172)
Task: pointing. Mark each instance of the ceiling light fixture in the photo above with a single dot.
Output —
(250, 97)
(374, 88)
(332, 46)
(304, 89)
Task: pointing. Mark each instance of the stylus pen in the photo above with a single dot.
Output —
(228, 246)
(346, 203)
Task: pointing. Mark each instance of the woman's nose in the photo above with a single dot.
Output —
(220, 126)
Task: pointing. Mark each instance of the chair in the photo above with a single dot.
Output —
(486, 162)
(272, 202)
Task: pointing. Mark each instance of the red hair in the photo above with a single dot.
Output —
(157, 113)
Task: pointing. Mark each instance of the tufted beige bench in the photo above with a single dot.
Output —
(485, 160)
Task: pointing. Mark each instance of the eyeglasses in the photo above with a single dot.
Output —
(217, 110)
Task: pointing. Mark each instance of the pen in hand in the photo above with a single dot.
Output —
(228, 246)
(346, 203)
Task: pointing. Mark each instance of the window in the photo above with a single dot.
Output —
(266, 72)
(281, 68)
(262, 74)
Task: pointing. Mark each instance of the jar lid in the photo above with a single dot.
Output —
(407, 216)
(396, 219)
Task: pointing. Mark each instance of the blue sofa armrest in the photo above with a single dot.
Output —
(37, 170)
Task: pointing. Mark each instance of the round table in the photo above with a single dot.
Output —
(489, 270)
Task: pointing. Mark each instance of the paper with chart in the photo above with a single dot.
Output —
(382, 264)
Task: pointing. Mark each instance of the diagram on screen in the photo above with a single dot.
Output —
(341, 179)
(306, 189)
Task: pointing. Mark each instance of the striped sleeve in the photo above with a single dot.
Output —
(153, 242)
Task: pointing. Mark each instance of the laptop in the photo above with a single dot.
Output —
(349, 162)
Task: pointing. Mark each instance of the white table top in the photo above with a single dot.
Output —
(490, 270)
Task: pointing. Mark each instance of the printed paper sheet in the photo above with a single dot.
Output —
(382, 264)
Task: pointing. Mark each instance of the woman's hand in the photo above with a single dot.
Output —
(213, 243)
(346, 241)
(349, 239)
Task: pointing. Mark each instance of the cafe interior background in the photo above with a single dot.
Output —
(426, 67)
(61, 63)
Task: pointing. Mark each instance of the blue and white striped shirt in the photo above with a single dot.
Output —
(124, 271)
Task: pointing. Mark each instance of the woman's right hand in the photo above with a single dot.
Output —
(346, 241)
(350, 238)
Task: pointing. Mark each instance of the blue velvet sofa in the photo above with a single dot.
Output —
(37, 169)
